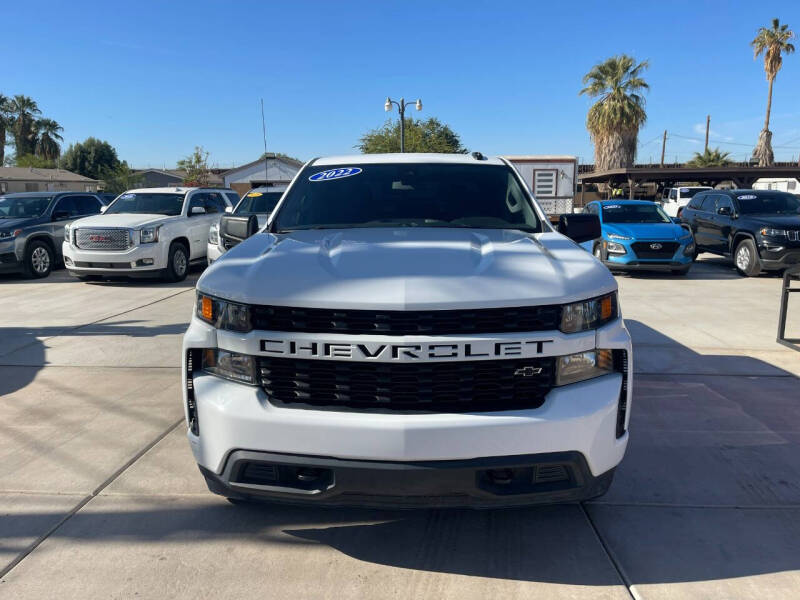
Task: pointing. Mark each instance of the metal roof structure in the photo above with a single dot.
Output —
(742, 177)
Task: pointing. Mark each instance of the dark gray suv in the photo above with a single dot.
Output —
(32, 228)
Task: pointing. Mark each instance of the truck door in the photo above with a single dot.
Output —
(719, 229)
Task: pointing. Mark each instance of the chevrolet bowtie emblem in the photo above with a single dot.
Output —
(527, 371)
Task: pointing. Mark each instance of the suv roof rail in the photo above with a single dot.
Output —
(478, 156)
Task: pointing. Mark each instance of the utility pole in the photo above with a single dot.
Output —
(264, 132)
(708, 126)
(663, 147)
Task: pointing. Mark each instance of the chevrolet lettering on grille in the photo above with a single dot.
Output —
(388, 352)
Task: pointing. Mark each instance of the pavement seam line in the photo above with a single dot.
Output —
(623, 576)
(75, 509)
(75, 327)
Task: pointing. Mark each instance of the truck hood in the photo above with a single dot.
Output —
(406, 269)
(18, 223)
(768, 220)
(646, 231)
(121, 220)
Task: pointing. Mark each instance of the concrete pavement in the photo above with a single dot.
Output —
(100, 497)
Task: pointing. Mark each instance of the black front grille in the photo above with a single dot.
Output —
(645, 249)
(402, 322)
(464, 386)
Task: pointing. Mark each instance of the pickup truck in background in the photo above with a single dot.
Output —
(675, 199)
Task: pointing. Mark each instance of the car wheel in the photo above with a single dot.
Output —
(746, 258)
(39, 260)
(178, 263)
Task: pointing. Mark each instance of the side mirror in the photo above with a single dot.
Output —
(725, 210)
(103, 209)
(228, 209)
(61, 215)
(579, 227)
(197, 210)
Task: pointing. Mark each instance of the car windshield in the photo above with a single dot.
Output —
(258, 202)
(27, 207)
(634, 213)
(147, 203)
(407, 195)
(690, 192)
(769, 203)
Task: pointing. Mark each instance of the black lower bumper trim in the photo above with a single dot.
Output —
(559, 477)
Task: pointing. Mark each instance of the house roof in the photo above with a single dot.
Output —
(36, 174)
(270, 156)
(181, 174)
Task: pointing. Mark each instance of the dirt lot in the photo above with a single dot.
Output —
(100, 497)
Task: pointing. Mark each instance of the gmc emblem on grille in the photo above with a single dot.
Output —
(99, 238)
(656, 246)
(527, 371)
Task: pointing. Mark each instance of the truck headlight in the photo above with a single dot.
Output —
(769, 232)
(223, 314)
(230, 365)
(589, 314)
(148, 235)
(583, 365)
(66, 232)
(213, 234)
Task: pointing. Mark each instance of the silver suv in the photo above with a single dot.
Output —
(32, 228)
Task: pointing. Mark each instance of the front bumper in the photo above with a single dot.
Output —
(630, 261)
(580, 418)
(491, 482)
(124, 262)
(773, 261)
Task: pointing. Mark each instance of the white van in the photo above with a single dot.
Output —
(678, 197)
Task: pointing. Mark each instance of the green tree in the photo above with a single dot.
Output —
(90, 158)
(24, 111)
(710, 158)
(615, 118)
(429, 135)
(6, 122)
(37, 162)
(772, 43)
(196, 167)
(121, 178)
(48, 134)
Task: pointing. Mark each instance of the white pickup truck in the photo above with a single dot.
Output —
(409, 330)
(676, 199)
(146, 231)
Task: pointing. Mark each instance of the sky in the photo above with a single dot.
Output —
(156, 79)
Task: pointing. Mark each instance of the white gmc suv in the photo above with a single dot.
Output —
(409, 330)
(146, 231)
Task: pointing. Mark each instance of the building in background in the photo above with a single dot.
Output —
(272, 172)
(552, 179)
(169, 177)
(31, 179)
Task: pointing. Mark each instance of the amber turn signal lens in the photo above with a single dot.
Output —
(606, 308)
(207, 308)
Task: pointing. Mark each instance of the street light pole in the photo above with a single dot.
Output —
(401, 107)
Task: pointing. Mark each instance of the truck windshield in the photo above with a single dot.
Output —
(634, 213)
(769, 203)
(258, 202)
(145, 203)
(407, 195)
(27, 207)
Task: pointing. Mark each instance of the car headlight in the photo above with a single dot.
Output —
(615, 248)
(616, 236)
(213, 234)
(66, 232)
(583, 365)
(589, 314)
(230, 365)
(148, 235)
(223, 314)
(769, 232)
(10, 235)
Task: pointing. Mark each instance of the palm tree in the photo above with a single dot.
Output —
(772, 42)
(614, 120)
(24, 111)
(48, 136)
(710, 158)
(5, 124)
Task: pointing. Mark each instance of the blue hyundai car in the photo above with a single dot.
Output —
(638, 235)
